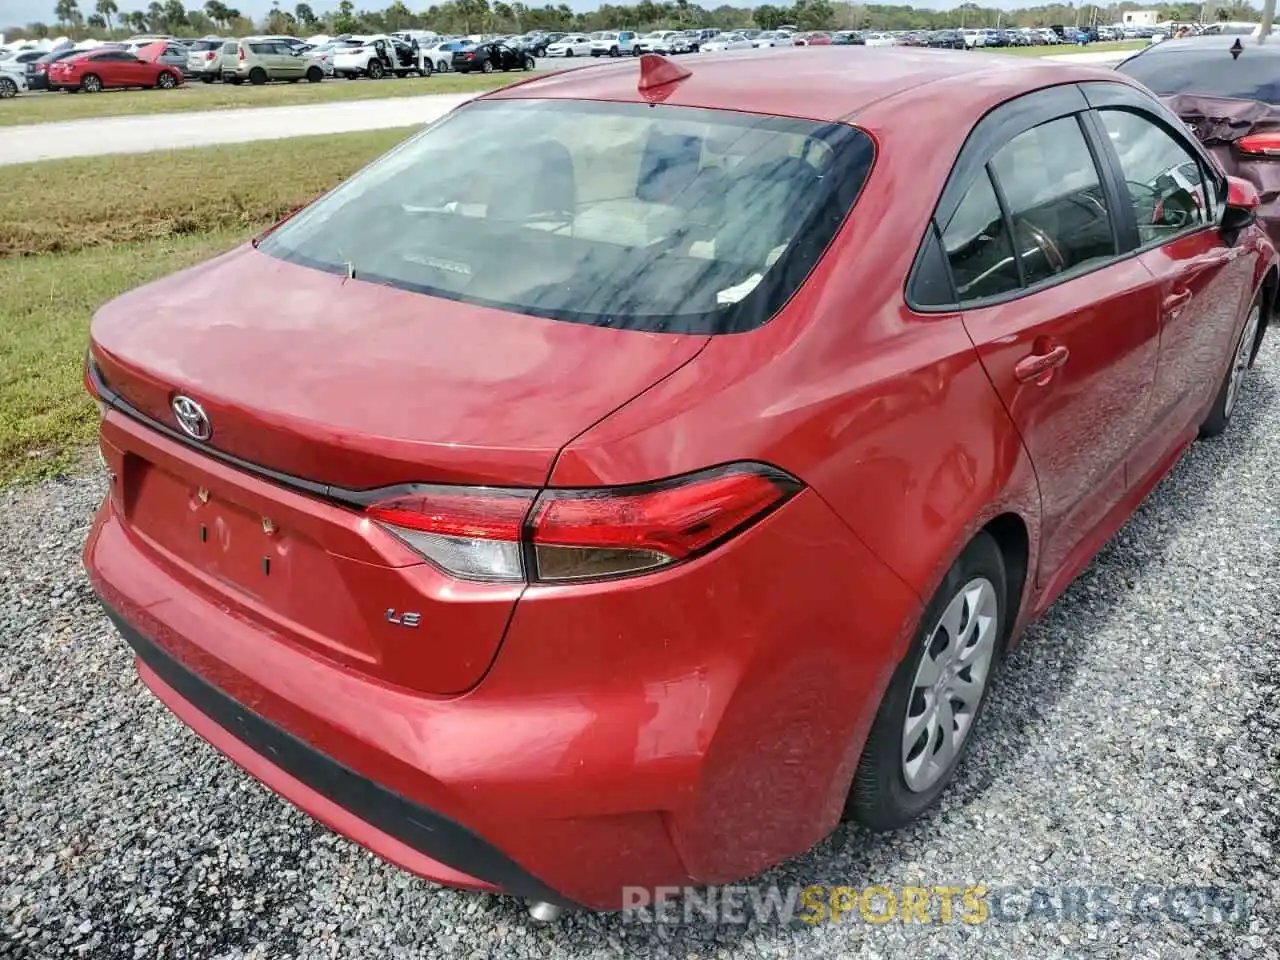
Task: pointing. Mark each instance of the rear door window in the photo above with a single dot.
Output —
(638, 216)
(978, 246)
(1055, 200)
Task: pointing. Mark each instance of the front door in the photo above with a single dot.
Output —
(1201, 279)
(1071, 344)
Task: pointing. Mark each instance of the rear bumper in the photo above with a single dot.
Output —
(391, 825)
(693, 725)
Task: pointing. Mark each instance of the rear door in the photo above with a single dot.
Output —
(1176, 199)
(1066, 325)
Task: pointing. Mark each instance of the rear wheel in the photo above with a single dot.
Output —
(166, 80)
(257, 76)
(613, 51)
(8, 89)
(427, 69)
(376, 70)
(1241, 362)
(936, 696)
(314, 75)
(488, 66)
(91, 83)
(528, 63)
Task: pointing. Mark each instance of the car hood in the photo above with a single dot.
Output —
(359, 385)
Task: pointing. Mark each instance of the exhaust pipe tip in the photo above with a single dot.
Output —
(542, 912)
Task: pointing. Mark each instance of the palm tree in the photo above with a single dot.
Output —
(67, 12)
(107, 9)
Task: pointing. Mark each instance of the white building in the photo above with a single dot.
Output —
(1141, 18)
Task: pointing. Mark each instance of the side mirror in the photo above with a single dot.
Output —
(1242, 206)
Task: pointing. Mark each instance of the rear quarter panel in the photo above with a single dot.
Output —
(886, 414)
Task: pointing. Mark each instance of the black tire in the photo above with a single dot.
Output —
(91, 83)
(314, 75)
(635, 51)
(1244, 352)
(528, 63)
(880, 798)
(487, 67)
(427, 69)
(568, 53)
(8, 88)
(613, 52)
(376, 70)
(166, 80)
(257, 76)
(206, 79)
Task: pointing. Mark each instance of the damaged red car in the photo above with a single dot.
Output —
(629, 508)
(1226, 89)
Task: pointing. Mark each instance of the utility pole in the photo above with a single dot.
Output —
(1268, 14)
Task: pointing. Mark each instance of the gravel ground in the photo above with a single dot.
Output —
(1132, 739)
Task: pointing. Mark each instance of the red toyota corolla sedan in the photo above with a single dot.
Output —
(97, 70)
(628, 507)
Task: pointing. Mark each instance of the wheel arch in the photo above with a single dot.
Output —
(1013, 538)
(1270, 289)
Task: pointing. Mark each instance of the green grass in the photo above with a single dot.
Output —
(1118, 46)
(68, 205)
(52, 107)
(76, 233)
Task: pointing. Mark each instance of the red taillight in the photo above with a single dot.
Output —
(483, 533)
(241, 52)
(1260, 145)
(468, 56)
(209, 56)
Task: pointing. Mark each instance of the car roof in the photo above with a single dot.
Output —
(1220, 41)
(777, 82)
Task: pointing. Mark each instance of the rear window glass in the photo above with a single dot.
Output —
(200, 46)
(623, 215)
(230, 47)
(1210, 72)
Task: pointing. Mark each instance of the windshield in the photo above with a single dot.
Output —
(645, 217)
(1210, 72)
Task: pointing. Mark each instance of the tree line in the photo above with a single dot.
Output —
(104, 19)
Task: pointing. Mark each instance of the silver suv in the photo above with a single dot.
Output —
(204, 58)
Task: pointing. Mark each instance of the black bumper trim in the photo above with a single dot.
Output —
(414, 825)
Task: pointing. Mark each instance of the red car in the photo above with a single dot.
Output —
(632, 513)
(97, 70)
(816, 39)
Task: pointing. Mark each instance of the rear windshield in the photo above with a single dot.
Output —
(199, 46)
(1210, 72)
(644, 217)
(231, 47)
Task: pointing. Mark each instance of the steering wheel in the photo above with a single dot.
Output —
(1044, 243)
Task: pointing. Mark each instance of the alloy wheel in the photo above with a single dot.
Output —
(1244, 353)
(949, 684)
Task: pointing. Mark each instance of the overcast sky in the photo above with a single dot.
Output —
(27, 11)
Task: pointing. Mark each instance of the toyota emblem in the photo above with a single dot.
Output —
(192, 418)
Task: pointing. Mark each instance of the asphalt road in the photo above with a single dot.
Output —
(1131, 748)
(166, 131)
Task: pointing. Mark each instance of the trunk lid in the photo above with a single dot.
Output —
(345, 383)
(349, 383)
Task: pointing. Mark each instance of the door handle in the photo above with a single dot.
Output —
(1038, 367)
(1174, 303)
